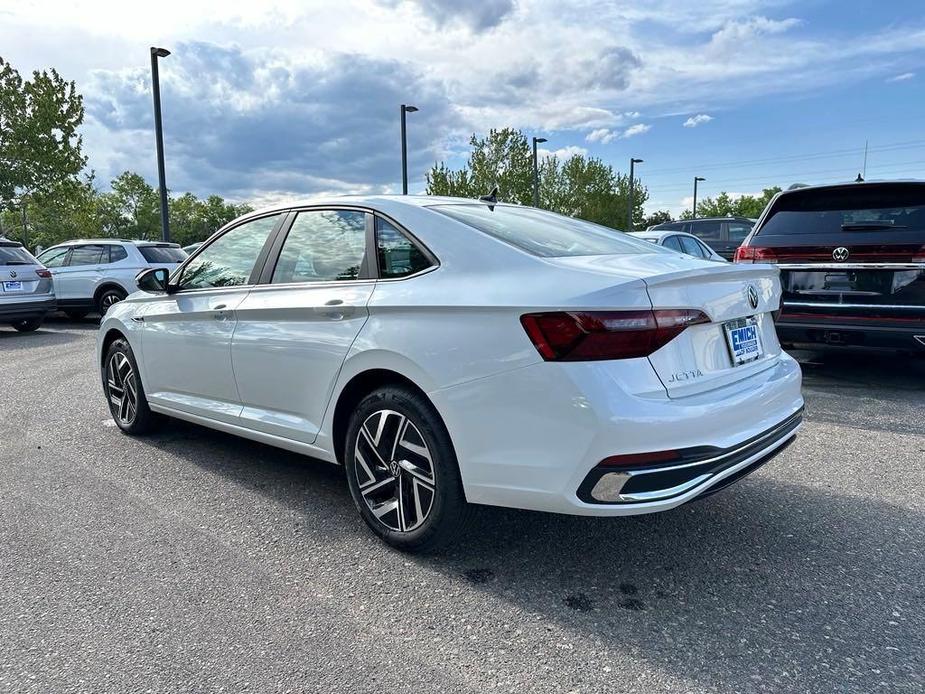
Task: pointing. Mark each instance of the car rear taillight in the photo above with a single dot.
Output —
(596, 335)
(44, 274)
(754, 254)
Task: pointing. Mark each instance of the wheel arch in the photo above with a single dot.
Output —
(111, 336)
(106, 285)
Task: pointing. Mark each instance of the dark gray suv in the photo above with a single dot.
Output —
(27, 293)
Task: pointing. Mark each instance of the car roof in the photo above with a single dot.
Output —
(659, 234)
(374, 201)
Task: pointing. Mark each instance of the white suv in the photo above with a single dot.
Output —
(93, 274)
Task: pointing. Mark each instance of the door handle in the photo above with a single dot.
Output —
(334, 302)
(219, 307)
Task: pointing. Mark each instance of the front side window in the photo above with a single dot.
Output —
(54, 257)
(398, 255)
(545, 234)
(229, 260)
(323, 246)
(88, 255)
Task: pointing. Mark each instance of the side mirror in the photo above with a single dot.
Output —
(154, 280)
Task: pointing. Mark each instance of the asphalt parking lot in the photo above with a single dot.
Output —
(194, 561)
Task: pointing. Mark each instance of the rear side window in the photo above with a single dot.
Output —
(691, 246)
(323, 246)
(15, 255)
(398, 256)
(673, 243)
(87, 255)
(544, 234)
(868, 207)
(737, 231)
(117, 253)
(162, 254)
(708, 230)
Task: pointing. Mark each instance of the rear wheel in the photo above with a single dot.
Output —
(28, 325)
(108, 298)
(122, 384)
(402, 471)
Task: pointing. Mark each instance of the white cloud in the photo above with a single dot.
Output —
(699, 119)
(606, 135)
(904, 77)
(562, 153)
(638, 129)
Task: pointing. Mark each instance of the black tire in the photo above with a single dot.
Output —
(107, 298)
(405, 480)
(28, 325)
(118, 382)
(76, 315)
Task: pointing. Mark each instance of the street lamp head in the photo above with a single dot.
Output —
(159, 52)
(699, 178)
(636, 161)
(409, 109)
(538, 140)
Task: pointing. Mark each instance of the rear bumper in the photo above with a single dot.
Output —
(530, 438)
(25, 310)
(905, 332)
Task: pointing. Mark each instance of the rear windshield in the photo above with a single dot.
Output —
(838, 210)
(15, 255)
(163, 254)
(545, 234)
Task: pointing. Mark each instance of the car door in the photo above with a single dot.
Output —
(78, 279)
(294, 330)
(187, 333)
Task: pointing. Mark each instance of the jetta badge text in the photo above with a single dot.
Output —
(840, 254)
(685, 376)
(752, 296)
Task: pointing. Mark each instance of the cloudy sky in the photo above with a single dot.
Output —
(265, 100)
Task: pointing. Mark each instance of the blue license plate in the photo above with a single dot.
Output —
(12, 286)
(744, 340)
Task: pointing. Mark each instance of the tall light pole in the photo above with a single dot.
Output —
(536, 172)
(404, 148)
(697, 179)
(629, 206)
(159, 137)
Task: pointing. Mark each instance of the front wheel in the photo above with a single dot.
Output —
(122, 385)
(28, 325)
(402, 471)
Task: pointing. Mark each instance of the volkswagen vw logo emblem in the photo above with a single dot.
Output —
(12, 273)
(840, 254)
(752, 296)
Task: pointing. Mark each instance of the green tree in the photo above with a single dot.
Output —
(723, 205)
(579, 186)
(657, 217)
(131, 210)
(40, 148)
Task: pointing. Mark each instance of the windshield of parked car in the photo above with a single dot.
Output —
(15, 255)
(545, 234)
(163, 254)
(843, 210)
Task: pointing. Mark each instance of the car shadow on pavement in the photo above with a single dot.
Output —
(767, 585)
(39, 338)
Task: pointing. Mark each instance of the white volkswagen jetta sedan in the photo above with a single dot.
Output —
(452, 352)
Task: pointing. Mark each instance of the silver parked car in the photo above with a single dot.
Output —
(93, 274)
(27, 293)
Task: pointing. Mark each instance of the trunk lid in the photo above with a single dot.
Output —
(700, 358)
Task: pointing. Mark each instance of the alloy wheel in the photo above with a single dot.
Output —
(394, 470)
(122, 387)
(108, 300)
